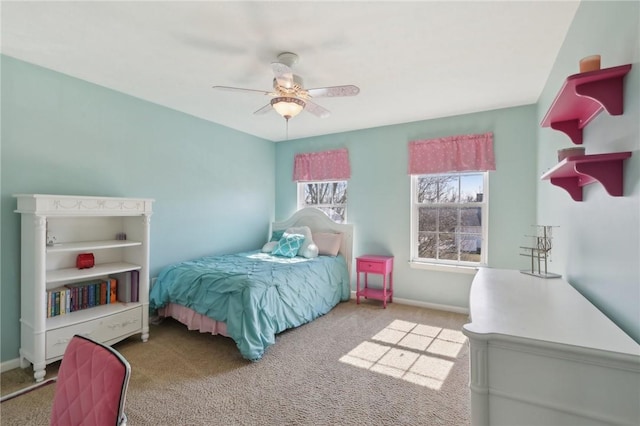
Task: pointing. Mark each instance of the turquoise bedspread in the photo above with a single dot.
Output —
(256, 294)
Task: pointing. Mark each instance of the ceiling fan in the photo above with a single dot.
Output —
(289, 95)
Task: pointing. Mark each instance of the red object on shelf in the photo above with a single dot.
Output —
(574, 172)
(85, 261)
(583, 96)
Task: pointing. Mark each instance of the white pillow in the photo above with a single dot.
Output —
(306, 249)
(328, 243)
(311, 251)
(268, 248)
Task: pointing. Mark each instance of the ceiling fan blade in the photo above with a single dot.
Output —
(316, 109)
(334, 91)
(265, 109)
(239, 89)
(283, 74)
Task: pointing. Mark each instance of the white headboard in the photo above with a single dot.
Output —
(318, 221)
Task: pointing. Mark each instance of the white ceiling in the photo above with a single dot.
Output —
(412, 60)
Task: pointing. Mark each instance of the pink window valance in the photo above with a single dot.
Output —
(326, 165)
(452, 154)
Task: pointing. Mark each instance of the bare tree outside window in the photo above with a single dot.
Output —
(330, 197)
(449, 210)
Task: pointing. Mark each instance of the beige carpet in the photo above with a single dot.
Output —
(359, 364)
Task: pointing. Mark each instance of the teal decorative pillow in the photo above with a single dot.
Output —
(288, 245)
(308, 248)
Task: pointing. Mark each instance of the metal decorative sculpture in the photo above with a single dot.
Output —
(539, 252)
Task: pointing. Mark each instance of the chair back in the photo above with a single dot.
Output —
(92, 385)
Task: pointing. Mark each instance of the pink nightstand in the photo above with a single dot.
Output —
(374, 264)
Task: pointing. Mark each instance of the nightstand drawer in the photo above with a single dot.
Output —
(369, 266)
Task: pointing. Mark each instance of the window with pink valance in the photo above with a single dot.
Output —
(319, 166)
(452, 154)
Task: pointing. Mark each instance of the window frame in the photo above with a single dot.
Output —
(445, 264)
(301, 196)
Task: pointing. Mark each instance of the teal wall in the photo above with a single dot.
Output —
(597, 242)
(213, 186)
(379, 193)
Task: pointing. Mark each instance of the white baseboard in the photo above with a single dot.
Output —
(15, 363)
(436, 306)
(427, 305)
(9, 365)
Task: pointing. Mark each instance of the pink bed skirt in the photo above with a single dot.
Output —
(193, 320)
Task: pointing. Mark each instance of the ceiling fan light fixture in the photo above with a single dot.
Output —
(288, 107)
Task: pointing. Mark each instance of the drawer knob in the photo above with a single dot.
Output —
(122, 324)
(67, 340)
(61, 342)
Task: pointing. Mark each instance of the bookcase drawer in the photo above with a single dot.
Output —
(100, 329)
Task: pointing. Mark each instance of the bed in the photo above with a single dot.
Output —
(252, 296)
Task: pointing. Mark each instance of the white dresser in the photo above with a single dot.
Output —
(542, 354)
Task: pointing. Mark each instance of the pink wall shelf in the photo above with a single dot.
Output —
(574, 172)
(583, 96)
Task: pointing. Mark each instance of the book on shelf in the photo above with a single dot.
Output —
(55, 304)
(91, 295)
(63, 301)
(113, 290)
(135, 285)
(103, 293)
(123, 286)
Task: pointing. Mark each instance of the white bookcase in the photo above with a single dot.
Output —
(79, 225)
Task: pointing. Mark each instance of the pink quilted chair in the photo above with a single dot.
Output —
(92, 385)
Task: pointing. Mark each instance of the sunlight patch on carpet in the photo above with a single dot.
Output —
(418, 353)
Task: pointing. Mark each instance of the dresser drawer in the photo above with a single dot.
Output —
(100, 329)
(370, 266)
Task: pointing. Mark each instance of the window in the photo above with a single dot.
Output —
(449, 218)
(322, 181)
(328, 196)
